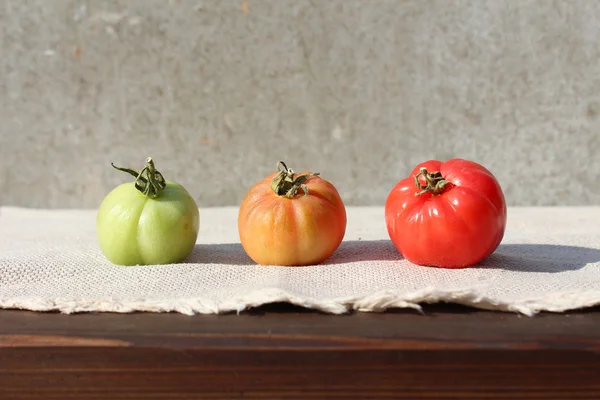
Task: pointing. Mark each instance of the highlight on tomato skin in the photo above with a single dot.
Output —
(291, 219)
(448, 214)
(148, 221)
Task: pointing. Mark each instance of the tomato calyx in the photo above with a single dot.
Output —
(287, 184)
(148, 181)
(434, 182)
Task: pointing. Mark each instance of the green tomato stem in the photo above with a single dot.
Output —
(286, 184)
(434, 182)
(148, 181)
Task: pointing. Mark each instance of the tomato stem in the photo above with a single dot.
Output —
(286, 184)
(434, 182)
(148, 181)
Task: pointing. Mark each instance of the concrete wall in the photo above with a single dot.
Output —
(218, 91)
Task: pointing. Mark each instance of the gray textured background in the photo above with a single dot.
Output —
(217, 91)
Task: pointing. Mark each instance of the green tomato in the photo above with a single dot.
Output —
(149, 221)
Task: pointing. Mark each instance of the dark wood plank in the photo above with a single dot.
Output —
(280, 351)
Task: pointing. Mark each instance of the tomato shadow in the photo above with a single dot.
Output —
(364, 250)
(223, 253)
(547, 258)
(349, 251)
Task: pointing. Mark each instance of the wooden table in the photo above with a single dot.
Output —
(279, 351)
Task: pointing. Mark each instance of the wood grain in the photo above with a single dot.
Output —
(279, 351)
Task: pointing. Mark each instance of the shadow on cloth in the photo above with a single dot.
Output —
(510, 257)
(226, 253)
(364, 250)
(349, 251)
(540, 258)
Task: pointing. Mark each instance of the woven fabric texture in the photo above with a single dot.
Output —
(50, 260)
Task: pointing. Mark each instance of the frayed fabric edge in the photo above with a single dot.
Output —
(376, 302)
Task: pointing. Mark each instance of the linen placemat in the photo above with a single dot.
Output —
(50, 260)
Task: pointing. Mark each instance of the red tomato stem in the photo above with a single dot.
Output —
(286, 184)
(149, 180)
(434, 182)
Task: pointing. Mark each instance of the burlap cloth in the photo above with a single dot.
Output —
(50, 260)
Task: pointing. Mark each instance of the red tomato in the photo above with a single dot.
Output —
(446, 214)
(291, 219)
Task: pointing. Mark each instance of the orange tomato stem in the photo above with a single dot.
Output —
(434, 182)
(149, 180)
(287, 184)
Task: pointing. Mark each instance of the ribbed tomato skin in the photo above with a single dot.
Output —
(133, 229)
(304, 230)
(454, 229)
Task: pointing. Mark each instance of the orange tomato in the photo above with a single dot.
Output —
(291, 219)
